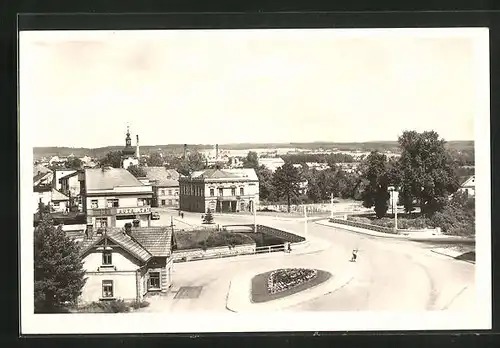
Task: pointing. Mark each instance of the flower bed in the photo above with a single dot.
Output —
(285, 282)
(284, 279)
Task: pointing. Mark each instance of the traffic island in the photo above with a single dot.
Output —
(249, 292)
(281, 283)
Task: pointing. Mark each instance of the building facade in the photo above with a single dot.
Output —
(112, 197)
(126, 263)
(228, 190)
(165, 183)
(469, 186)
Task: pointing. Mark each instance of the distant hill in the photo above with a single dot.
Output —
(39, 152)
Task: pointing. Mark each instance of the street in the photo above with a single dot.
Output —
(391, 274)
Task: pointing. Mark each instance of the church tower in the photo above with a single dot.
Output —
(128, 152)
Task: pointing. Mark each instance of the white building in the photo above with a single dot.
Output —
(469, 186)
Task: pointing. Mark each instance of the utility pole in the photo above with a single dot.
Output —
(305, 222)
(331, 206)
(254, 217)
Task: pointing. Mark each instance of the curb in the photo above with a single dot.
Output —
(452, 257)
(436, 239)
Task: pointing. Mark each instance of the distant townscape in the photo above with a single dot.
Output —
(126, 215)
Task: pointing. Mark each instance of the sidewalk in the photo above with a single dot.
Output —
(239, 296)
(421, 237)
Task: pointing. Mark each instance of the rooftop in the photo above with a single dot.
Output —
(234, 173)
(143, 242)
(160, 176)
(109, 178)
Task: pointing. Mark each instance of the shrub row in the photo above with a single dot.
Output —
(114, 306)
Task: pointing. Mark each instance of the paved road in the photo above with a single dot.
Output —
(391, 275)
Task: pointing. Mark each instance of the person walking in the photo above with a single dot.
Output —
(354, 255)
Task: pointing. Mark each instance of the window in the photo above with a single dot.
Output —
(170, 192)
(113, 203)
(107, 289)
(101, 222)
(242, 191)
(170, 202)
(55, 204)
(154, 280)
(233, 192)
(176, 192)
(212, 192)
(162, 202)
(221, 192)
(106, 258)
(94, 204)
(141, 202)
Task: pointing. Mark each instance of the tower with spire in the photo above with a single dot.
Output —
(129, 154)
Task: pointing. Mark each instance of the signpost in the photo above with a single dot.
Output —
(305, 222)
(331, 207)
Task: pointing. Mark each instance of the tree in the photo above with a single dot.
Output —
(376, 192)
(136, 171)
(59, 273)
(74, 163)
(313, 187)
(428, 173)
(112, 159)
(286, 182)
(251, 161)
(155, 160)
(208, 218)
(265, 176)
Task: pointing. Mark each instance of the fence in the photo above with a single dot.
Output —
(383, 229)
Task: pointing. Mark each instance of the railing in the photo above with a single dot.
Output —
(270, 249)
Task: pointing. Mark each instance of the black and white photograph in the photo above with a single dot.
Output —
(254, 180)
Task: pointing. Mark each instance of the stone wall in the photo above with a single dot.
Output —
(199, 254)
(344, 221)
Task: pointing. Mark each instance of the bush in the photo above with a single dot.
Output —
(140, 304)
(114, 306)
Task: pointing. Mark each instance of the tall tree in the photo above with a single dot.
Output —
(265, 176)
(59, 273)
(286, 182)
(74, 163)
(251, 160)
(112, 159)
(193, 161)
(155, 160)
(376, 192)
(428, 173)
(137, 171)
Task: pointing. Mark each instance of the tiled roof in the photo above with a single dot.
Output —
(68, 175)
(58, 196)
(118, 236)
(143, 242)
(40, 169)
(160, 176)
(109, 178)
(213, 174)
(156, 240)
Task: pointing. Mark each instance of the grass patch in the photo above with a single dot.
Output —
(209, 239)
(261, 294)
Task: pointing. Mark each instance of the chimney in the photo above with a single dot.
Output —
(216, 151)
(185, 150)
(128, 228)
(137, 147)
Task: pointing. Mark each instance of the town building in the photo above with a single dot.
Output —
(126, 263)
(111, 197)
(58, 174)
(70, 186)
(42, 186)
(130, 155)
(165, 183)
(220, 190)
(469, 186)
(271, 163)
(58, 201)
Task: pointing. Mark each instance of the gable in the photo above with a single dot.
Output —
(122, 259)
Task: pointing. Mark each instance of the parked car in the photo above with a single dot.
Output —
(155, 215)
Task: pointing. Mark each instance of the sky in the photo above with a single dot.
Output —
(82, 89)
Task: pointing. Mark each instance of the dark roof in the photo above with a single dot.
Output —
(143, 242)
(40, 169)
(160, 176)
(119, 237)
(68, 175)
(109, 178)
(156, 240)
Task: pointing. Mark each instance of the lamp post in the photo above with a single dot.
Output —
(394, 203)
(254, 216)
